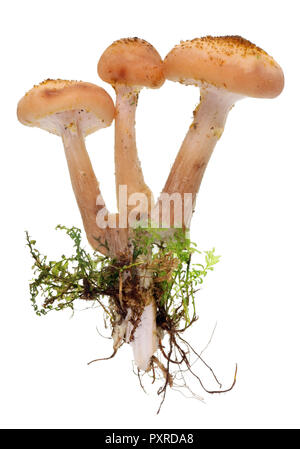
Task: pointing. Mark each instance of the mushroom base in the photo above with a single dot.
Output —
(159, 346)
(147, 294)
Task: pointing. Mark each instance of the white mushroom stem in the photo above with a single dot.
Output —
(128, 168)
(129, 173)
(206, 129)
(86, 189)
(144, 342)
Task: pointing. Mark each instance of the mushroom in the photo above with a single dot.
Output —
(128, 65)
(73, 110)
(226, 69)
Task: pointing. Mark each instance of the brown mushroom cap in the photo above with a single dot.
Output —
(230, 62)
(133, 62)
(54, 105)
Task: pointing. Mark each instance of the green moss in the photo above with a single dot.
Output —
(92, 277)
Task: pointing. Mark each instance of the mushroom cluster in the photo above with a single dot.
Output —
(226, 69)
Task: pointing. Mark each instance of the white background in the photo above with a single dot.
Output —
(248, 208)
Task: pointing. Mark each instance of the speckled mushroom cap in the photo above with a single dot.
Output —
(55, 105)
(230, 62)
(133, 62)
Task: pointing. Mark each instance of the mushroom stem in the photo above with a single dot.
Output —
(204, 132)
(84, 183)
(128, 168)
(144, 343)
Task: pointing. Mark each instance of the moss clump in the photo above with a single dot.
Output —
(93, 277)
(117, 284)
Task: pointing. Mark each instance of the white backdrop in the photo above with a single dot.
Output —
(248, 208)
